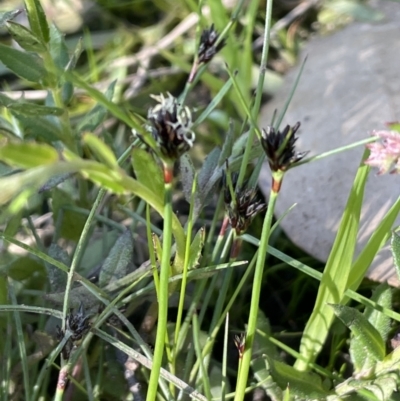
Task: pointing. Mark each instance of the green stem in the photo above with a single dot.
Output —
(185, 270)
(259, 91)
(255, 299)
(78, 253)
(21, 341)
(162, 296)
(82, 240)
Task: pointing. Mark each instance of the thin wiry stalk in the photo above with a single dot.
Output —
(185, 269)
(255, 299)
(162, 296)
(82, 240)
(21, 341)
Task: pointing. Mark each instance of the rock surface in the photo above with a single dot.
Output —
(350, 86)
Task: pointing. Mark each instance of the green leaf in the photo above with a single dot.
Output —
(157, 247)
(71, 224)
(103, 153)
(37, 20)
(98, 114)
(395, 246)
(13, 224)
(33, 178)
(227, 147)
(116, 264)
(24, 267)
(58, 48)
(25, 65)
(32, 109)
(383, 297)
(7, 16)
(187, 175)
(366, 333)
(97, 250)
(305, 385)
(25, 38)
(264, 346)
(28, 109)
(336, 273)
(377, 240)
(3, 290)
(57, 277)
(27, 155)
(389, 364)
(213, 104)
(383, 387)
(148, 171)
(60, 55)
(209, 166)
(196, 247)
(104, 176)
(39, 128)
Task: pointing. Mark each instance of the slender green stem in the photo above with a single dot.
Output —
(162, 296)
(334, 151)
(259, 91)
(78, 253)
(197, 347)
(255, 299)
(21, 341)
(212, 336)
(82, 240)
(185, 270)
(224, 381)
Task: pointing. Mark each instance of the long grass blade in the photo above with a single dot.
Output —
(335, 277)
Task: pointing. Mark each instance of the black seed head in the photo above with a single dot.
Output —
(170, 124)
(244, 207)
(280, 147)
(208, 47)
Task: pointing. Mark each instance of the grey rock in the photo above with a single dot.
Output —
(350, 86)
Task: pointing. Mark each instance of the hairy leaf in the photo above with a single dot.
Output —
(196, 247)
(39, 128)
(366, 333)
(57, 278)
(187, 173)
(383, 297)
(227, 147)
(37, 19)
(116, 264)
(25, 65)
(32, 109)
(25, 38)
(301, 384)
(395, 245)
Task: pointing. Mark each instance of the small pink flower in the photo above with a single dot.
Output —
(385, 155)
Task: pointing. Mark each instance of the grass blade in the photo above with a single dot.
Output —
(335, 277)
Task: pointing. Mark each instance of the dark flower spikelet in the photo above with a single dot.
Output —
(243, 208)
(280, 147)
(78, 325)
(208, 47)
(170, 125)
